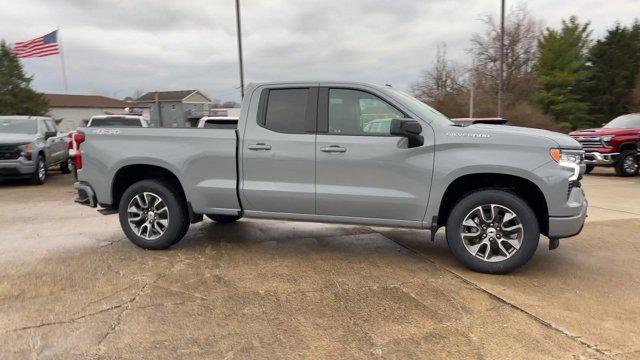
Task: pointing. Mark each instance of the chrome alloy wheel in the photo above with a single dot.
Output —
(492, 232)
(148, 215)
(630, 164)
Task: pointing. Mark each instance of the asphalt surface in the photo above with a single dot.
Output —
(72, 286)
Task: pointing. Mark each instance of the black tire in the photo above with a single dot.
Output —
(66, 166)
(528, 220)
(589, 169)
(223, 219)
(39, 176)
(178, 218)
(622, 166)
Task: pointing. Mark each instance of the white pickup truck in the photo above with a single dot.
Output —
(343, 152)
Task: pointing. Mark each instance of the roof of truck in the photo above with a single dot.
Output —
(315, 82)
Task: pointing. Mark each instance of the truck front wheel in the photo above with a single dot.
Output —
(40, 174)
(627, 164)
(492, 231)
(153, 215)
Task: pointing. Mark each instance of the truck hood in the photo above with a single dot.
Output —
(563, 141)
(7, 138)
(604, 131)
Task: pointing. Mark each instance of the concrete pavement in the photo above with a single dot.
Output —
(72, 286)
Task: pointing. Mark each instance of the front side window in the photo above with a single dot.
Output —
(286, 110)
(354, 112)
(51, 127)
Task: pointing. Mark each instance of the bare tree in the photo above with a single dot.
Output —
(442, 79)
(521, 51)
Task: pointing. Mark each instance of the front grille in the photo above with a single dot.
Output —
(589, 142)
(9, 152)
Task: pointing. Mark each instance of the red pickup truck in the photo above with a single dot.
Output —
(614, 145)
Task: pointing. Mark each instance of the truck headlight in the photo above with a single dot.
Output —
(606, 140)
(25, 151)
(570, 159)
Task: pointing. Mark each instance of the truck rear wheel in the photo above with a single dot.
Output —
(492, 231)
(589, 169)
(223, 219)
(627, 164)
(153, 215)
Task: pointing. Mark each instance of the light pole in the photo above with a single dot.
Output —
(239, 34)
(501, 74)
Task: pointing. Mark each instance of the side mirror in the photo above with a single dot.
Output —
(50, 134)
(408, 128)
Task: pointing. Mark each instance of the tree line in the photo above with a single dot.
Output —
(555, 78)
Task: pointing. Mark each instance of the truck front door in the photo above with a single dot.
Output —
(278, 151)
(361, 170)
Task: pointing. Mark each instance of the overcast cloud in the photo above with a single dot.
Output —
(114, 48)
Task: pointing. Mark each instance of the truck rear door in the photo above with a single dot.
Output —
(278, 151)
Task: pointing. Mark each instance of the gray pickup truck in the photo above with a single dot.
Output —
(29, 145)
(309, 151)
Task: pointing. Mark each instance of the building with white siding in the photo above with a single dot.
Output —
(73, 111)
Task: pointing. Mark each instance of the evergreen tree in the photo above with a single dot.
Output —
(561, 72)
(16, 95)
(614, 62)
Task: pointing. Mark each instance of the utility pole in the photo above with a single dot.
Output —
(239, 34)
(501, 74)
(472, 89)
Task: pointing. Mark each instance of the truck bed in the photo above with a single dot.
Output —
(203, 160)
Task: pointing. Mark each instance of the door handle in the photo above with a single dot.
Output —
(333, 149)
(259, 146)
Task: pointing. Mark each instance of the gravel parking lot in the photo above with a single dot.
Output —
(72, 286)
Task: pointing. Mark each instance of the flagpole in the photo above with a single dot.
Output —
(239, 35)
(64, 71)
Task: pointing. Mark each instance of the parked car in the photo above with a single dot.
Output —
(29, 146)
(613, 145)
(117, 121)
(218, 122)
(302, 151)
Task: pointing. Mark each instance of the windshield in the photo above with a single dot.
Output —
(18, 126)
(115, 121)
(625, 121)
(425, 111)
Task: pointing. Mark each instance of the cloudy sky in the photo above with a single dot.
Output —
(116, 48)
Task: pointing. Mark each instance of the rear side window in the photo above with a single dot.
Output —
(287, 110)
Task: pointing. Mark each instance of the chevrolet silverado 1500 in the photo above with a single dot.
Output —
(29, 146)
(308, 151)
(613, 145)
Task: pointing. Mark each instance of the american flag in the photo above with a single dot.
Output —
(43, 46)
